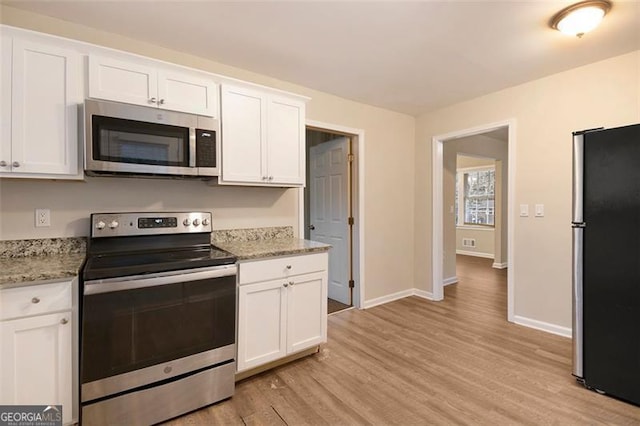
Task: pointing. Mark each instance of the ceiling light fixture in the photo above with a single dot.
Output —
(580, 18)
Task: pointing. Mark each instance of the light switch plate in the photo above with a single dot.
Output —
(524, 210)
(539, 210)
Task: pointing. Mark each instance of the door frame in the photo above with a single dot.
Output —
(357, 137)
(437, 248)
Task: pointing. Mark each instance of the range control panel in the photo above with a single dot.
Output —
(128, 224)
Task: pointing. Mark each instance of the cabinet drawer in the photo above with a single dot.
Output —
(280, 267)
(35, 299)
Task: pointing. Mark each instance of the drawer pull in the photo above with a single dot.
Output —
(63, 321)
(35, 300)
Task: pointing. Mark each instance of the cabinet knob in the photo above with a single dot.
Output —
(16, 164)
(291, 283)
(270, 177)
(285, 285)
(264, 178)
(152, 100)
(35, 300)
(63, 321)
(3, 164)
(161, 102)
(288, 266)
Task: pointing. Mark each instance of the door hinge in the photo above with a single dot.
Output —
(350, 158)
(352, 283)
(350, 221)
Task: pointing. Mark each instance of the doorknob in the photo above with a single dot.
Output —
(311, 227)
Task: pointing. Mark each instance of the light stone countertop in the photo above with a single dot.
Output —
(29, 262)
(256, 249)
(29, 270)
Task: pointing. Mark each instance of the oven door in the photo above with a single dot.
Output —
(143, 329)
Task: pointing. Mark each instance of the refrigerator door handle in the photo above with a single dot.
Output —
(577, 300)
(578, 226)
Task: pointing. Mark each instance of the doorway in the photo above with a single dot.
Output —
(441, 211)
(330, 208)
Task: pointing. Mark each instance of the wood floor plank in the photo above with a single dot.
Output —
(414, 361)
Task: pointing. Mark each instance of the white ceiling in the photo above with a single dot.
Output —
(410, 57)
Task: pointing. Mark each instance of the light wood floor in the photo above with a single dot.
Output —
(419, 362)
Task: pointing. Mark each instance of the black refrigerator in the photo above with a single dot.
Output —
(606, 261)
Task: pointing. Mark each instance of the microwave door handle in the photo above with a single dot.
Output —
(192, 147)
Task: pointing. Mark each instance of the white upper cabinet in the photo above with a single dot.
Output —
(152, 84)
(41, 92)
(263, 139)
(122, 81)
(285, 140)
(243, 135)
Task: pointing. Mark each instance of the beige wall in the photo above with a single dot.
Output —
(546, 111)
(485, 244)
(465, 162)
(486, 147)
(388, 156)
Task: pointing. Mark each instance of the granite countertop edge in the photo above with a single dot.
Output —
(257, 250)
(39, 269)
(46, 267)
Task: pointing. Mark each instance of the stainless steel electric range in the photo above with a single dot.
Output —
(158, 309)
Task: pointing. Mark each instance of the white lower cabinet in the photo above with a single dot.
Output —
(36, 352)
(284, 314)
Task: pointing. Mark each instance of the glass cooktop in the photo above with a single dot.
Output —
(147, 262)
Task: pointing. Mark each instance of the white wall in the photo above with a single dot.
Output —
(546, 111)
(388, 156)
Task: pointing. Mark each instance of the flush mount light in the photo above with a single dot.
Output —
(580, 18)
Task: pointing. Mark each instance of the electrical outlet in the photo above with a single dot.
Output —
(43, 218)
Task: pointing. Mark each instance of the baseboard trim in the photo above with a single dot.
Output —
(423, 294)
(450, 280)
(397, 296)
(475, 253)
(500, 265)
(520, 320)
(388, 298)
(543, 326)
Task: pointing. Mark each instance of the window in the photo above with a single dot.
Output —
(475, 191)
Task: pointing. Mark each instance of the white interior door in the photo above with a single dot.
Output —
(329, 210)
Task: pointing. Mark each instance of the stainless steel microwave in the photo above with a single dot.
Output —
(137, 140)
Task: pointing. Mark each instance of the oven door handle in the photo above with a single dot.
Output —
(110, 285)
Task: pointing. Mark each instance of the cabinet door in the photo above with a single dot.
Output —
(36, 362)
(306, 311)
(243, 135)
(121, 81)
(285, 141)
(262, 319)
(46, 91)
(187, 93)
